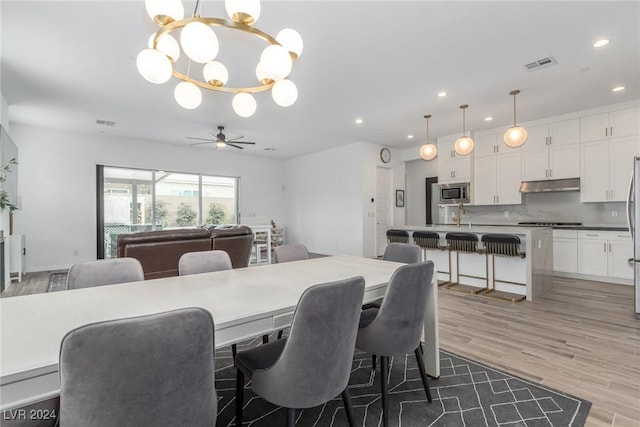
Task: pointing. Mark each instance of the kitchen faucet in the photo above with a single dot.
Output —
(460, 211)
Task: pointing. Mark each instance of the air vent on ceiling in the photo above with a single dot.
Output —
(540, 63)
(105, 122)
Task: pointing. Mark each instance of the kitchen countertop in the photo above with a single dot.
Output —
(556, 227)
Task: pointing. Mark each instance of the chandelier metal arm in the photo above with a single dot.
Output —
(219, 22)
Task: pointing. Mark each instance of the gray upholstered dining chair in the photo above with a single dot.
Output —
(398, 252)
(313, 364)
(402, 252)
(207, 262)
(104, 272)
(203, 262)
(288, 253)
(395, 328)
(155, 370)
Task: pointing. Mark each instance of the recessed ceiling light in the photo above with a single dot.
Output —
(359, 121)
(442, 94)
(601, 43)
(619, 88)
(409, 136)
(488, 119)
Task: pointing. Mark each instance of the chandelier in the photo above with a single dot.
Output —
(200, 44)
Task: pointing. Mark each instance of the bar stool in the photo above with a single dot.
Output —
(501, 245)
(397, 236)
(431, 240)
(465, 243)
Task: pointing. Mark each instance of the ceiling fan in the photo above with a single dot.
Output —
(221, 140)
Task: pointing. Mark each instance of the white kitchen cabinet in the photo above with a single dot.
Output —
(606, 166)
(552, 151)
(565, 251)
(613, 124)
(620, 259)
(458, 170)
(605, 254)
(497, 179)
(452, 167)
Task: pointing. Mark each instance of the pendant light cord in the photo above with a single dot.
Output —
(514, 110)
(463, 121)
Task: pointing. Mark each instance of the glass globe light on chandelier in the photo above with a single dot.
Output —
(464, 144)
(200, 43)
(516, 135)
(428, 151)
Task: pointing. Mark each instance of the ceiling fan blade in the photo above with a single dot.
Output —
(243, 142)
(235, 139)
(202, 139)
(231, 144)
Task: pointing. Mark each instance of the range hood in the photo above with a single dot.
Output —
(549, 185)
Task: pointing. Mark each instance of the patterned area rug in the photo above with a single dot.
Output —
(57, 282)
(466, 394)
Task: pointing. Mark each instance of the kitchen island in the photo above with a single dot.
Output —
(529, 276)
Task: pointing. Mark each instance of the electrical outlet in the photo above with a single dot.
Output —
(614, 213)
(506, 214)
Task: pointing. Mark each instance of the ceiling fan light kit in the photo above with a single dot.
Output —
(200, 44)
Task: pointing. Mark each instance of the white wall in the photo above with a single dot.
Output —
(415, 199)
(58, 186)
(324, 198)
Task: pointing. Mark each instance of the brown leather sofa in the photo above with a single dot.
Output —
(159, 251)
(236, 240)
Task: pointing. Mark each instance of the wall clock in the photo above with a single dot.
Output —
(385, 155)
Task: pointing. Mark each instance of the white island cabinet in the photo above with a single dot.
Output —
(534, 271)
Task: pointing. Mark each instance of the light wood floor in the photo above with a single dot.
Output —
(581, 338)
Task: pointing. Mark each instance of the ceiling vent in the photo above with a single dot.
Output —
(540, 63)
(105, 122)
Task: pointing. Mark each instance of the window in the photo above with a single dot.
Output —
(131, 200)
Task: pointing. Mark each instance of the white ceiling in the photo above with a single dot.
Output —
(66, 64)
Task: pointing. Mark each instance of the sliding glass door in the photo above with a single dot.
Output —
(131, 200)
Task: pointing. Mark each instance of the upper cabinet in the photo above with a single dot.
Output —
(552, 151)
(614, 124)
(497, 172)
(452, 167)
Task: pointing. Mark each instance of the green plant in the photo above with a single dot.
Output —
(216, 214)
(160, 211)
(4, 195)
(186, 215)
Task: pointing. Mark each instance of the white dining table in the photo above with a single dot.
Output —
(244, 303)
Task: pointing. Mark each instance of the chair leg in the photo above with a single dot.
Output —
(265, 339)
(384, 368)
(423, 374)
(280, 332)
(291, 417)
(234, 351)
(239, 396)
(346, 399)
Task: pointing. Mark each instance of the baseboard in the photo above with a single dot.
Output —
(604, 279)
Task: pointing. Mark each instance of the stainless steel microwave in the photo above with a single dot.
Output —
(452, 194)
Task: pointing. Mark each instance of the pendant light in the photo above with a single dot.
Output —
(464, 144)
(428, 151)
(516, 135)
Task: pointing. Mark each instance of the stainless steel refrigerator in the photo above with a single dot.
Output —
(633, 213)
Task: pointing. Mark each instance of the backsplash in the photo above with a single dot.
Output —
(557, 207)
